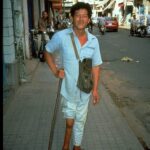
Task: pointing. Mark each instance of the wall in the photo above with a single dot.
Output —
(10, 71)
(13, 32)
(37, 13)
(15, 29)
(26, 30)
(8, 35)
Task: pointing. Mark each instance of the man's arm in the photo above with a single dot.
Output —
(96, 77)
(59, 73)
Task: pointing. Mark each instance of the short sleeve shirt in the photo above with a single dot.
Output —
(43, 23)
(62, 41)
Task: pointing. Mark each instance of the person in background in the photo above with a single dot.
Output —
(148, 19)
(134, 22)
(101, 21)
(74, 101)
(90, 25)
(44, 22)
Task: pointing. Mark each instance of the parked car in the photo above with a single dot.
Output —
(111, 24)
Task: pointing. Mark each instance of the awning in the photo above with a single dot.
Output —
(102, 3)
(110, 5)
(55, 0)
(129, 2)
(121, 5)
(56, 4)
(120, 1)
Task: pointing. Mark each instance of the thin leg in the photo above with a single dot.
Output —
(68, 132)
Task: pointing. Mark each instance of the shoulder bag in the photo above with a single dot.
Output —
(85, 82)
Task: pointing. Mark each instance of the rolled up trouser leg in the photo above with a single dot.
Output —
(79, 123)
(77, 110)
(68, 108)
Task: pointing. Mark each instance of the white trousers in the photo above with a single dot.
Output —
(76, 110)
(39, 38)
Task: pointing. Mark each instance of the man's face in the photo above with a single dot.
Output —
(45, 15)
(81, 19)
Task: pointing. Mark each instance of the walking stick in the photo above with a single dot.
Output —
(54, 116)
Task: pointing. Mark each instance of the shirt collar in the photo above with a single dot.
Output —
(90, 36)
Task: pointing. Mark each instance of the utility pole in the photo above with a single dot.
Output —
(63, 8)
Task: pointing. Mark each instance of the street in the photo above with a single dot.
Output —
(126, 76)
(28, 116)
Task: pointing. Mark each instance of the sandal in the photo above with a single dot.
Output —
(79, 148)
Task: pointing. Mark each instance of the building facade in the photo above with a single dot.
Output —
(19, 16)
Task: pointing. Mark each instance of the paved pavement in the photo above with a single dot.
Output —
(124, 27)
(27, 117)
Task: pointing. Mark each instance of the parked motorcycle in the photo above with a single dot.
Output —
(138, 30)
(33, 42)
(50, 30)
(44, 39)
(141, 31)
(148, 30)
(39, 40)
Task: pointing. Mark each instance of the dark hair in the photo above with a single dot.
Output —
(81, 5)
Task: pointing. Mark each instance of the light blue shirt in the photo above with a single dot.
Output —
(62, 41)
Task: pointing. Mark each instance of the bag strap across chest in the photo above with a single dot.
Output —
(74, 46)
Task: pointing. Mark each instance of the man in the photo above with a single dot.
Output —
(43, 24)
(74, 101)
(101, 21)
(134, 23)
(101, 24)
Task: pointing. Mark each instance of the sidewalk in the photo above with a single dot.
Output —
(124, 27)
(27, 120)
